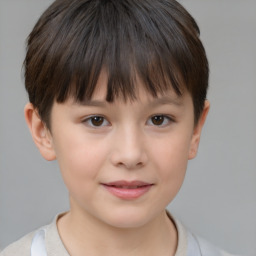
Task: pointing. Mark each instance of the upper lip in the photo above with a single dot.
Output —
(127, 184)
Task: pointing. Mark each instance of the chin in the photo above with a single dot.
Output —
(127, 218)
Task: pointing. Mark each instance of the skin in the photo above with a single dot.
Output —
(127, 144)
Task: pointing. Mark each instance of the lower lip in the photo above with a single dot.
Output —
(128, 194)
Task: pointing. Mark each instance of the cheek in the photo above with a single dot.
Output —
(172, 151)
(171, 158)
(80, 159)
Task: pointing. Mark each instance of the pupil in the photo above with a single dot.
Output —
(97, 120)
(157, 120)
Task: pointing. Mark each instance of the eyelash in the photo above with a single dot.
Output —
(103, 122)
(90, 119)
(165, 118)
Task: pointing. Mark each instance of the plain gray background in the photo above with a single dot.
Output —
(218, 199)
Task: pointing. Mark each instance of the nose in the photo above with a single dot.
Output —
(129, 149)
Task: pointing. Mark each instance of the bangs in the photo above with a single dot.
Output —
(126, 43)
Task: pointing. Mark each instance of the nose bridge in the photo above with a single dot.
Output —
(129, 149)
(132, 140)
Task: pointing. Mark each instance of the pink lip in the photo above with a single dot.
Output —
(128, 190)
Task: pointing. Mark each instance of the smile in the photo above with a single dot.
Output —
(128, 187)
(128, 190)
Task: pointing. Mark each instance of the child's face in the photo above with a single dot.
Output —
(123, 163)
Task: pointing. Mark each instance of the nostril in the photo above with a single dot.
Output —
(140, 164)
(130, 164)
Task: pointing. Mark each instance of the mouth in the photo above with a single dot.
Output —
(128, 190)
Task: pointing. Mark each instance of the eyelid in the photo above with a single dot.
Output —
(168, 117)
(88, 121)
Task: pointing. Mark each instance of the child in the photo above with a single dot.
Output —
(117, 92)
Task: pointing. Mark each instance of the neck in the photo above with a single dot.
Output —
(82, 234)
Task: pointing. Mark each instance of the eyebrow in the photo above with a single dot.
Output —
(93, 103)
(165, 100)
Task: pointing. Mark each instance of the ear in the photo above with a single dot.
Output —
(197, 131)
(40, 133)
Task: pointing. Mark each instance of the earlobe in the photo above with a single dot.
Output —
(40, 134)
(197, 131)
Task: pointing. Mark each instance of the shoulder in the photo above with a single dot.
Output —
(208, 249)
(51, 240)
(20, 247)
(192, 245)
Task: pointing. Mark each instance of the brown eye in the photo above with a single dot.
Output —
(160, 120)
(96, 121)
(157, 120)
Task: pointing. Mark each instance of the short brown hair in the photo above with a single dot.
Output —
(73, 41)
